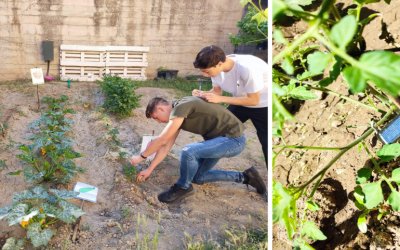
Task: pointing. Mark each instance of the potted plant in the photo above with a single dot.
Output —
(163, 72)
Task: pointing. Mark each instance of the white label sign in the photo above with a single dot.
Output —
(37, 76)
(147, 140)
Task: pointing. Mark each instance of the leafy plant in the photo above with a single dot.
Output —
(3, 165)
(120, 95)
(342, 52)
(130, 172)
(251, 29)
(50, 156)
(161, 68)
(35, 209)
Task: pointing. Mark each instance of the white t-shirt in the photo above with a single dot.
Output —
(248, 75)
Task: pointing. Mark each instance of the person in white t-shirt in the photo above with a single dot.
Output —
(245, 77)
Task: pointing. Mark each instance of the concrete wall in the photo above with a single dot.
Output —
(175, 30)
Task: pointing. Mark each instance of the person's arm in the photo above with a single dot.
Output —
(215, 90)
(160, 156)
(252, 99)
(169, 131)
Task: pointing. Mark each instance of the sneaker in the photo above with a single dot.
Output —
(253, 178)
(176, 193)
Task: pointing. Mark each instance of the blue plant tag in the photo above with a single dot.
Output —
(391, 132)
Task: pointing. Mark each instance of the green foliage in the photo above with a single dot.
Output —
(13, 244)
(50, 156)
(130, 172)
(3, 165)
(35, 209)
(120, 95)
(161, 68)
(295, 68)
(253, 28)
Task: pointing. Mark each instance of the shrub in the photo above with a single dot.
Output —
(120, 95)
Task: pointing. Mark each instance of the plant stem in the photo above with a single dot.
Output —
(306, 147)
(378, 168)
(51, 222)
(335, 12)
(347, 98)
(296, 43)
(352, 144)
(378, 95)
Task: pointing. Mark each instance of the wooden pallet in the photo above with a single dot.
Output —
(126, 61)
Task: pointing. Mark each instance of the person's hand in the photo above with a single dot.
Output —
(142, 175)
(210, 97)
(195, 92)
(136, 159)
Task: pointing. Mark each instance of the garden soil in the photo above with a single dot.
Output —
(325, 123)
(112, 222)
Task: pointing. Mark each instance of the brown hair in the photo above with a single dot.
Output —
(209, 57)
(153, 104)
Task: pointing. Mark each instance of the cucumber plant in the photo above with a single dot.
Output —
(35, 210)
(337, 45)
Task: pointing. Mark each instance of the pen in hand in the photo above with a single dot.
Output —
(200, 89)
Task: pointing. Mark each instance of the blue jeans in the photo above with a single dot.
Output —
(197, 160)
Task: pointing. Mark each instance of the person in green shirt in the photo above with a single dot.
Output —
(223, 137)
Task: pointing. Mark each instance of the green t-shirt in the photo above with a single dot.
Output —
(207, 119)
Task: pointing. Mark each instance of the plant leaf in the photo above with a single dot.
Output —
(362, 222)
(394, 200)
(313, 206)
(276, 130)
(4, 211)
(359, 196)
(278, 36)
(69, 212)
(279, 111)
(343, 32)
(301, 244)
(354, 79)
(38, 193)
(37, 236)
(260, 17)
(281, 201)
(20, 213)
(311, 231)
(363, 175)
(388, 152)
(64, 194)
(287, 66)
(396, 175)
(373, 194)
(13, 244)
(318, 61)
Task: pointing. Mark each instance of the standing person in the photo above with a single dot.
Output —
(223, 135)
(245, 77)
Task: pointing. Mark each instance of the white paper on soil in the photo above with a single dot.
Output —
(88, 196)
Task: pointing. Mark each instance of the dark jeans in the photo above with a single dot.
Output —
(259, 117)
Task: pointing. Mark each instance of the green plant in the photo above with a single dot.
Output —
(120, 95)
(130, 172)
(35, 209)
(50, 156)
(161, 68)
(126, 212)
(344, 54)
(85, 227)
(3, 165)
(252, 29)
(191, 77)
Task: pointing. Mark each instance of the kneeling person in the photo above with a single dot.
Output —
(223, 135)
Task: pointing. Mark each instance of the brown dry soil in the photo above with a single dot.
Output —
(323, 123)
(223, 204)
